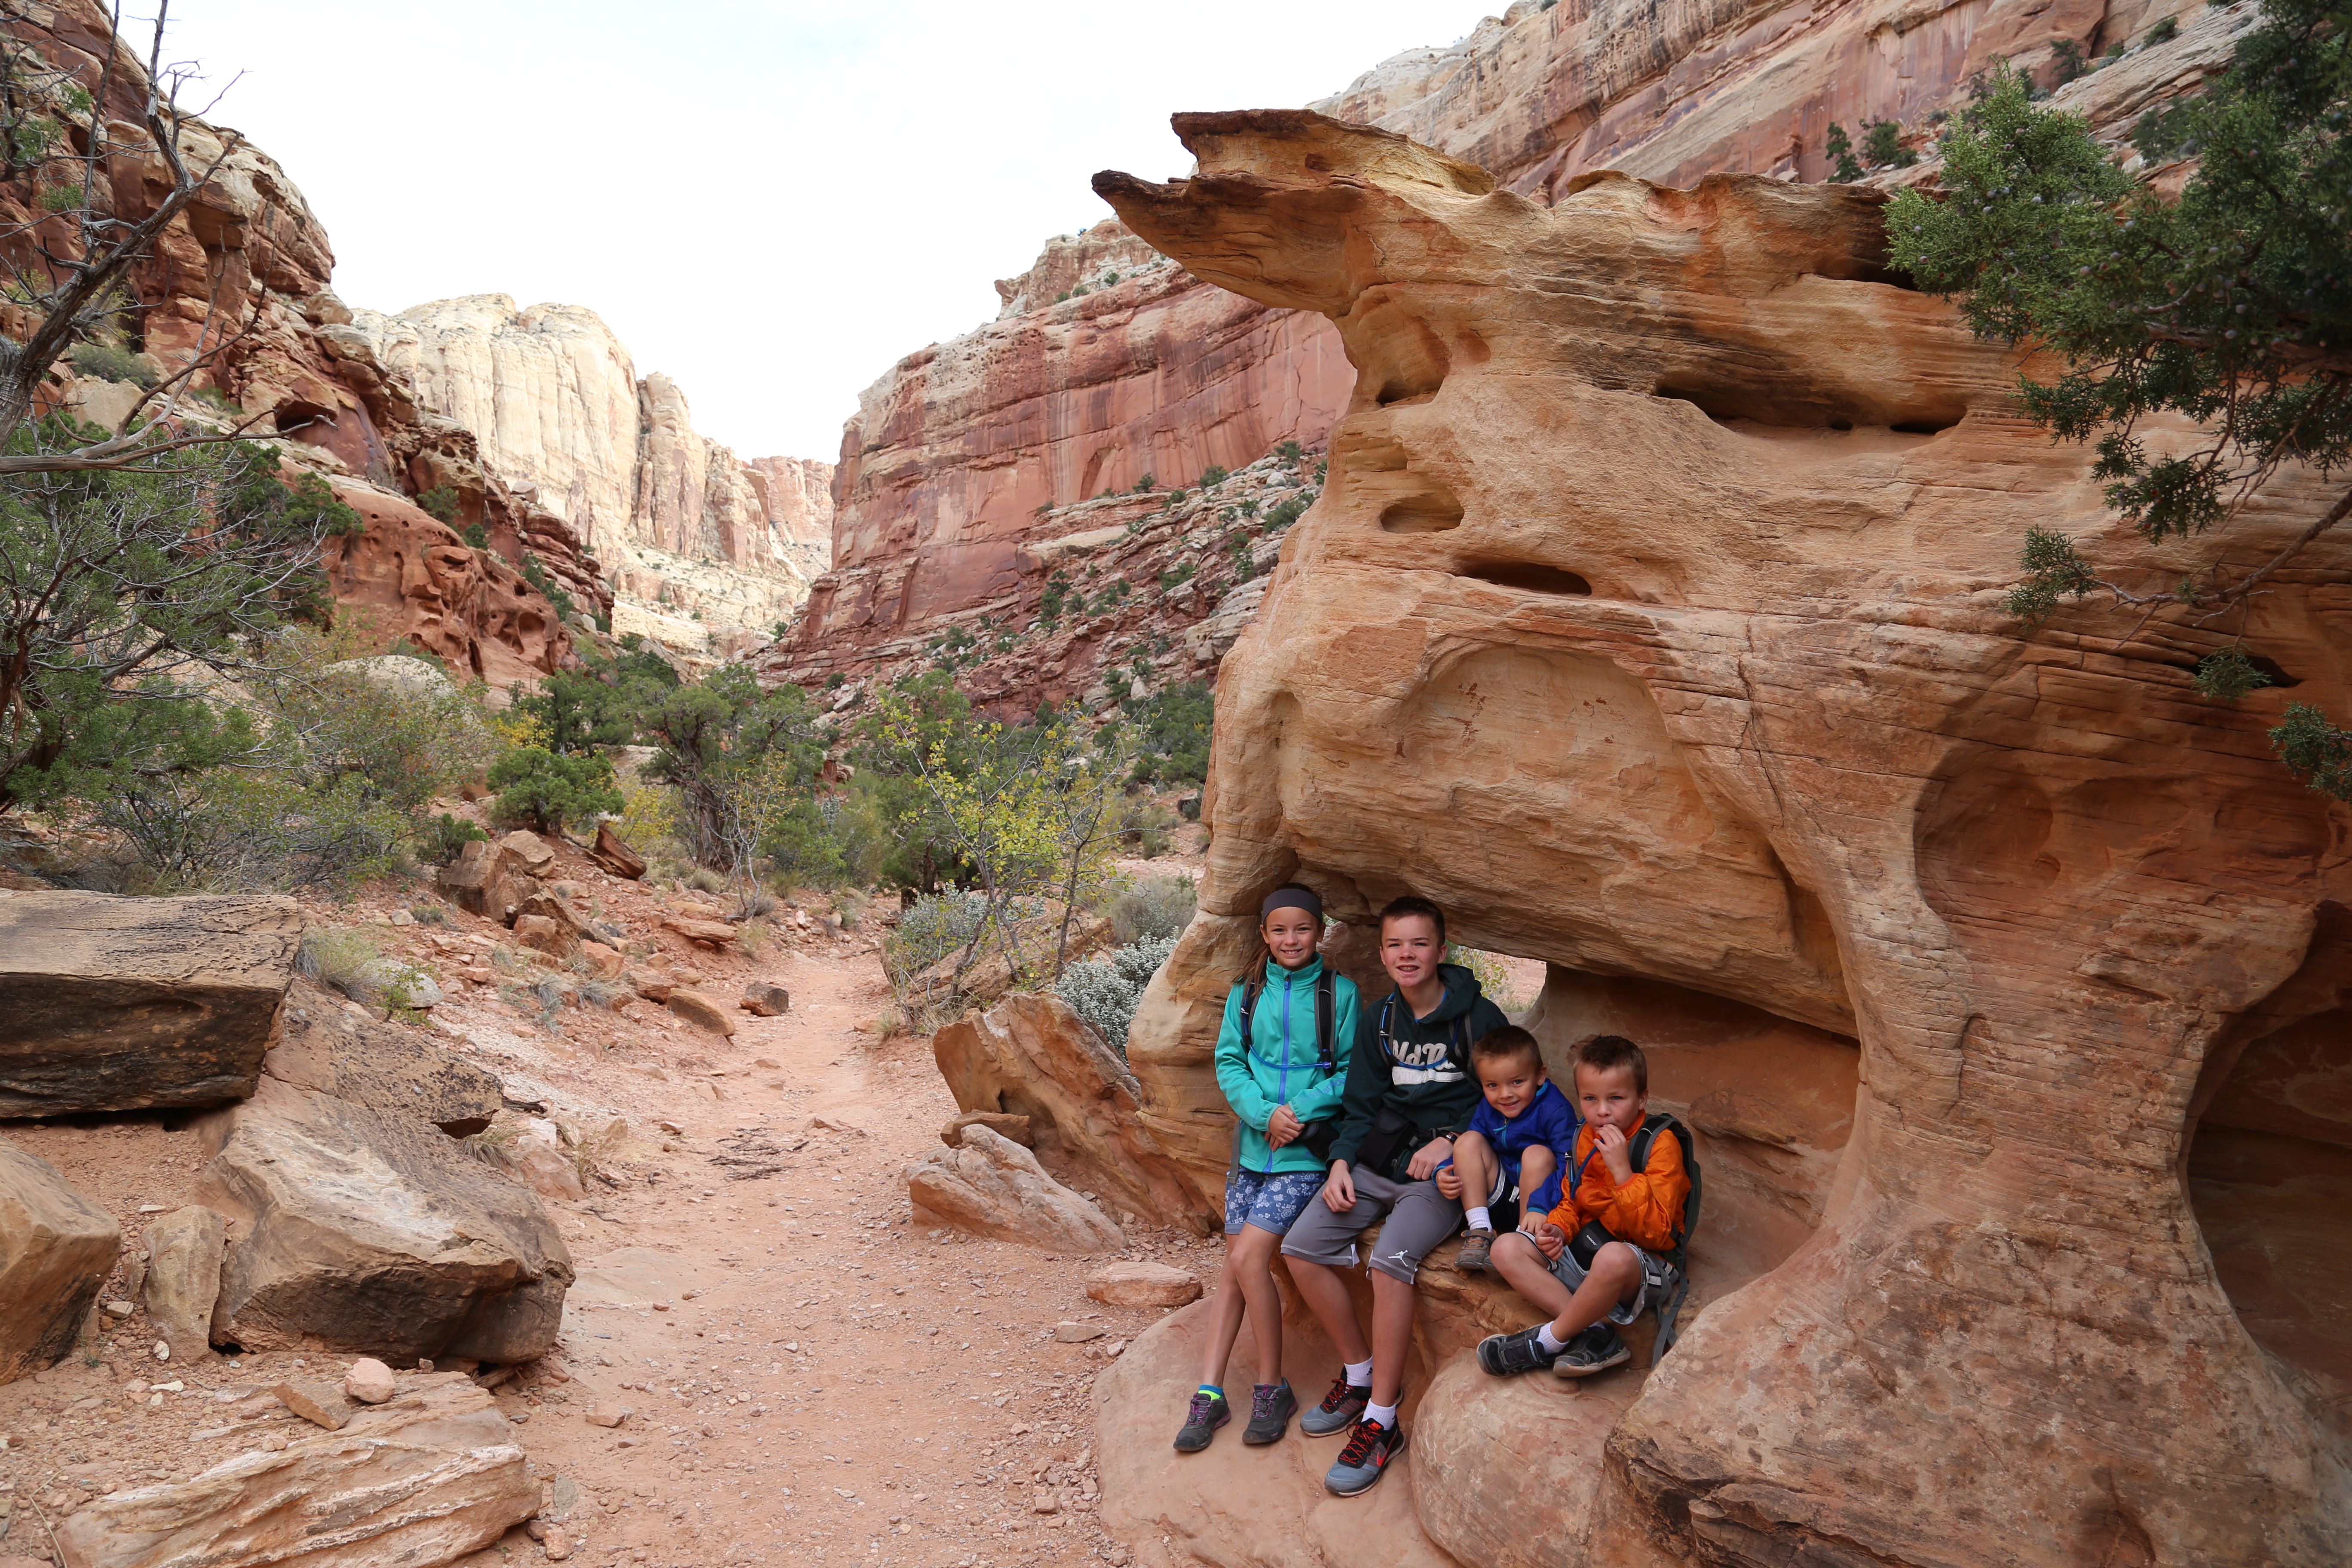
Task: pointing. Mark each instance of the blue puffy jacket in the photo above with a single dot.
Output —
(1281, 1066)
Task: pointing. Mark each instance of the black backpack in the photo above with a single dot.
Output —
(1319, 1135)
(1669, 1302)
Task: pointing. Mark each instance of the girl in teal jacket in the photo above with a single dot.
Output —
(1284, 1082)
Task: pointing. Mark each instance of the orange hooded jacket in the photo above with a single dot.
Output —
(1644, 1211)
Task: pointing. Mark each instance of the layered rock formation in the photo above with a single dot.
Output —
(1102, 368)
(248, 253)
(958, 459)
(1649, 621)
(680, 522)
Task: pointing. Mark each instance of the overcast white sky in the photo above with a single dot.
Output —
(768, 200)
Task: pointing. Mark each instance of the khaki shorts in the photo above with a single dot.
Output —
(1418, 1218)
(1654, 1275)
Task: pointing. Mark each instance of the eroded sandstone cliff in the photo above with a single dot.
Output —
(1650, 622)
(683, 527)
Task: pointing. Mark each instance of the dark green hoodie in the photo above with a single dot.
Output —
(1427, 1080)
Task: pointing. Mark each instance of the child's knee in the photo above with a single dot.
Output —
(1469, 1142)
(1619, 1265)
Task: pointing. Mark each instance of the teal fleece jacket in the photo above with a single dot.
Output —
(1279, 1064)
(1421, 1083)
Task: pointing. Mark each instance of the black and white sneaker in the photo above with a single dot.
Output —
(1597, 1349)
(1523, 1351)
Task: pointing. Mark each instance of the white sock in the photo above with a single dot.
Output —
(1552, 1346)
(1478, 1220)
(1359, 1374)
(1383, 1413)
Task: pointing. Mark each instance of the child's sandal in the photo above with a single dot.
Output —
(1474, 1256)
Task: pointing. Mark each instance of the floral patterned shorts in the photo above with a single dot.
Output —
(1270, 1202)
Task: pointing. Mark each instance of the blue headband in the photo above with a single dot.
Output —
(1291, 898)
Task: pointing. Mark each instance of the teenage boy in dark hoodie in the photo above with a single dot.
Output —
(1410, 1090)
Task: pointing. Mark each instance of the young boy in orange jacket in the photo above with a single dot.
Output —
(1592, 1261)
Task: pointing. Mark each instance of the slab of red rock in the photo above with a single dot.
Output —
(1085, 1106)
(614, 856)
(1127, 1284)
(424, 1479)
(700, 1011)
(533, 853)
(484, 879)
(711, 934)
(182, 1278)
(993, 1187)
(392, 1068)
(320, 1403)
(122, 1004)
(360, 1232)
(1003, 1123)
(56, 1249)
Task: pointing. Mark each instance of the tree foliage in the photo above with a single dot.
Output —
(547, 789)
(2231, 305)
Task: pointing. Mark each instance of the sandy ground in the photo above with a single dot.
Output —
(808, 1378)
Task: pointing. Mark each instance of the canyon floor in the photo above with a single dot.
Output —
(807, 1376)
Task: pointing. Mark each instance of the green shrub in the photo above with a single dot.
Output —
(440, 503)
(1883, 145)
(108, 363)
(1105, 992)
(475, 535)
(446, 837)
(1289, 451)
(1157, 907)
(2164, 32)
(534, 571)
(547, 790)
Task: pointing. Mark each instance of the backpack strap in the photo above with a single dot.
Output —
(1326, 1005)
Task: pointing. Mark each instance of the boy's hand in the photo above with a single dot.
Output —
(1340, 1188)
(1549, 1239)
(1613, 1153)
(1282, 1127)
(1428, 1157)
(1449, 1181)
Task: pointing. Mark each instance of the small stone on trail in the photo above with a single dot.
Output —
(603, 1415)
(700, 1011)
(1143, 1285)
(320, 1404)
(767, 1001)
(556, 1543)
(117, 1309)
(1077, 1334)
(162, 1350)
(768, 1062)
(369, 1381)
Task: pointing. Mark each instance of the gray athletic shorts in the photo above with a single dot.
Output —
(1418, 1217)
(1570, 1273)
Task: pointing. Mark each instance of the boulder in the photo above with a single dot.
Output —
(1031, 1055)
(531, 854)
(482, 880)
(653, 987)
(700, 1011)
(395, 984)
(182, 1278)
(993, 1187)
(766, 1001)
(711, 934)
(560, 902)
(542, 934)
(384, 1066)
(369, 1381)
(317, 1401)
(119, 1003)
(56, 1247)
(423, 1480)
(361, 1232)
(1234, 1504)
(535, 1156)
(1003, 1123)
(604, 963)
(1143, 1285)
(614, 856)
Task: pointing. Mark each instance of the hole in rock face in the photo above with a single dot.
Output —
(1399, 357)
(1431, 508)
(2280, 679)
(1533, 577)
(2269, 1179)
(1793, 402)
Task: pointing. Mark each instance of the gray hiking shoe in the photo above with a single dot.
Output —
(1597, 1349)
(1520, 1351)
(1208, 1413)
(1271, 1408)
(1365, 1459)
(1338, 1410)
(1476, 1254)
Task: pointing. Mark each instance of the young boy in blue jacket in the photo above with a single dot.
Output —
(1518, 1143)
